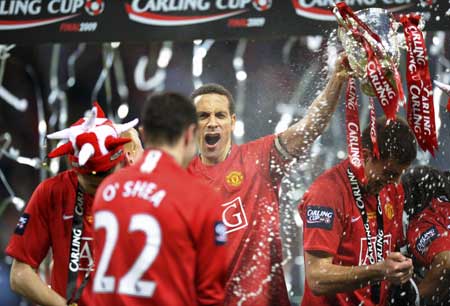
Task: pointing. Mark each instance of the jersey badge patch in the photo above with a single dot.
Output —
(22, 224)
(389, 210)
(319, 217)
(235, 178)
(425, 239)
(220, 233)
(90, 219)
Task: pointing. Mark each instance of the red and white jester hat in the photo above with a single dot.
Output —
(94, 142)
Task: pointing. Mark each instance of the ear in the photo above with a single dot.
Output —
(233, 121)
(189, 135)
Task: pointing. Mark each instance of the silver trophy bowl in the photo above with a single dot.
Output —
(382, 23)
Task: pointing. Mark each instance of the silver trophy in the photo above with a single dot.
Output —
(382, 23)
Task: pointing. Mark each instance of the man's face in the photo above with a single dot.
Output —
(381, 173)
(215, 127)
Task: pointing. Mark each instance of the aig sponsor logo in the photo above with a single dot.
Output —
(233, 215)
(364, 251)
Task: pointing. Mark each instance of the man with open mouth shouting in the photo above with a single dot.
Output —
(247, 177)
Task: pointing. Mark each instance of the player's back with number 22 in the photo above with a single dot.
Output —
(159, 239)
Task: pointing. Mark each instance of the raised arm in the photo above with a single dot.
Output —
(25, 281)
(299, 137)
(326, 278)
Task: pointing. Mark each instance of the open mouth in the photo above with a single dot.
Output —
(212, 139)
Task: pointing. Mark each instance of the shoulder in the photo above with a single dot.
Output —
(194, 164)
(265, 141)
(331, 182)
(60, 183)
(328, 192)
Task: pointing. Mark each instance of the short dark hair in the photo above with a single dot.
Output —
(213, 88)
(395, 140)
(165, 116)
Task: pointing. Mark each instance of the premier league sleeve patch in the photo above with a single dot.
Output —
(425, 239)
(319, 217)
(22, 224)
(220, 233)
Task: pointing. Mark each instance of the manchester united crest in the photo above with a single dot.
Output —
(90, 219)
(235, 178)
(389, 211)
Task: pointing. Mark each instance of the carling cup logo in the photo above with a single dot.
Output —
(262, 5)
(94, 7)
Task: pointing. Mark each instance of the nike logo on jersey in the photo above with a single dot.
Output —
(67, 217)
(354, 219)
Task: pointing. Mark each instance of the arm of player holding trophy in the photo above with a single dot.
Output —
(326, 278)
(298, 137)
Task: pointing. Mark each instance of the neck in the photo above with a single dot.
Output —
(174, 151)
(214, 161)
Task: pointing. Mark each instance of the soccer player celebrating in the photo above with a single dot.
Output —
(248, 177)
(352, 232)
(158, 232)
(59, 213)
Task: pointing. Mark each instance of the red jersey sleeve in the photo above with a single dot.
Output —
(265, 154)
(427, 237)
(30, 241)
(322, 213)
(210, 239)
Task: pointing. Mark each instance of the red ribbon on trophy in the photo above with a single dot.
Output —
(373, 129)
(387, 93)
(354, 144)
(420, 108)
(384, 90)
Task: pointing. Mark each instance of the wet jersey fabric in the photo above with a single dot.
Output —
(247, 181)
(47, 223)
(159, 238)
(332, 223)
(429, 232)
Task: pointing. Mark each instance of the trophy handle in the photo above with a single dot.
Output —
(338, 16)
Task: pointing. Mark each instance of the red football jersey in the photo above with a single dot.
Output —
(158, 237)
(332, 223)
(429, 232)
(248, 187)
(47, 223)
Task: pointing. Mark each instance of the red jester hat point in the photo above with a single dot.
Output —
(93, 142)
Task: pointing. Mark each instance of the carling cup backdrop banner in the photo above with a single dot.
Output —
(41, 21)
